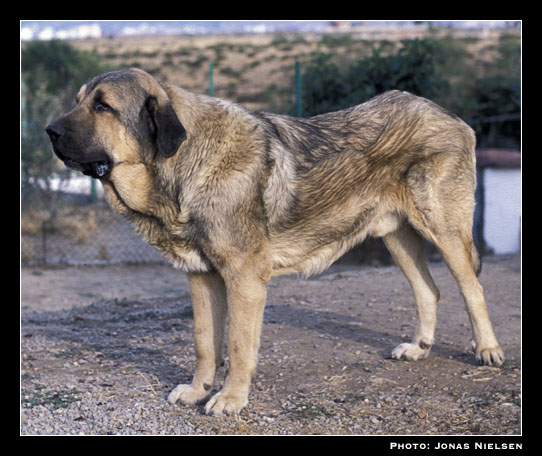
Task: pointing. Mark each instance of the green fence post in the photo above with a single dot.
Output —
(299, 108)
(93, 195)
(211, 80)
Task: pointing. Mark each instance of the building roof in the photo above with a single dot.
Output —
(498, 158)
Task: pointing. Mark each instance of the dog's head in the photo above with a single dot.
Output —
(121, 116)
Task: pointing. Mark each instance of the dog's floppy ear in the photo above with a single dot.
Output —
(168, 132)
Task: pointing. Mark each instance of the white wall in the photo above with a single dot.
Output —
(502, 209)
(76, 184)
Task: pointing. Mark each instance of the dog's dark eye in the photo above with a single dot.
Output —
(102, 107)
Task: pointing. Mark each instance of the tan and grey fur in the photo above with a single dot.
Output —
(234, 197)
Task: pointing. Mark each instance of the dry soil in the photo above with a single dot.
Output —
(103, 346)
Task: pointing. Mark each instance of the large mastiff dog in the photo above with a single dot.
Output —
(234, 197)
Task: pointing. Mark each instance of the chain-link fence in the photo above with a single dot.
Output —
(77, 229)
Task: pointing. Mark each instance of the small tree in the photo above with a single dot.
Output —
(485, 93)
(328, 87)
(498, 97)
(51, 73)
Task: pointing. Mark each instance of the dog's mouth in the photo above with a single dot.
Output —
(97, 169)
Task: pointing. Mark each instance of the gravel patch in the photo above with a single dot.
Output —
(102, 348)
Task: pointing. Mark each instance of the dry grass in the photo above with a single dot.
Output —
(254, 70)
(77, 223)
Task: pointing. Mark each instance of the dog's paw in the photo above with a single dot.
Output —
(410, 352)
(187, 394)
(225, 403)
(488, 356)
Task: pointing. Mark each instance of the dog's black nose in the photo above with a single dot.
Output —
(54, 131)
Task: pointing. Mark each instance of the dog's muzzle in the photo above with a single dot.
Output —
(98, 165)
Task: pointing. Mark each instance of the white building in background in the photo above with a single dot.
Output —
(26, 34)
(70, 30)
(502, 214)
(78, 32)
(77, 184)
(500, 176)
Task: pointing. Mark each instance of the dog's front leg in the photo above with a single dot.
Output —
(246, 290)
(209, 304)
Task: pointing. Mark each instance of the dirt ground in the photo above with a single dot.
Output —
(102, 347)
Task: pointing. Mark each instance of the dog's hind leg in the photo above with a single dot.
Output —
(442, 192)
(457, 253)
(407, 249)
